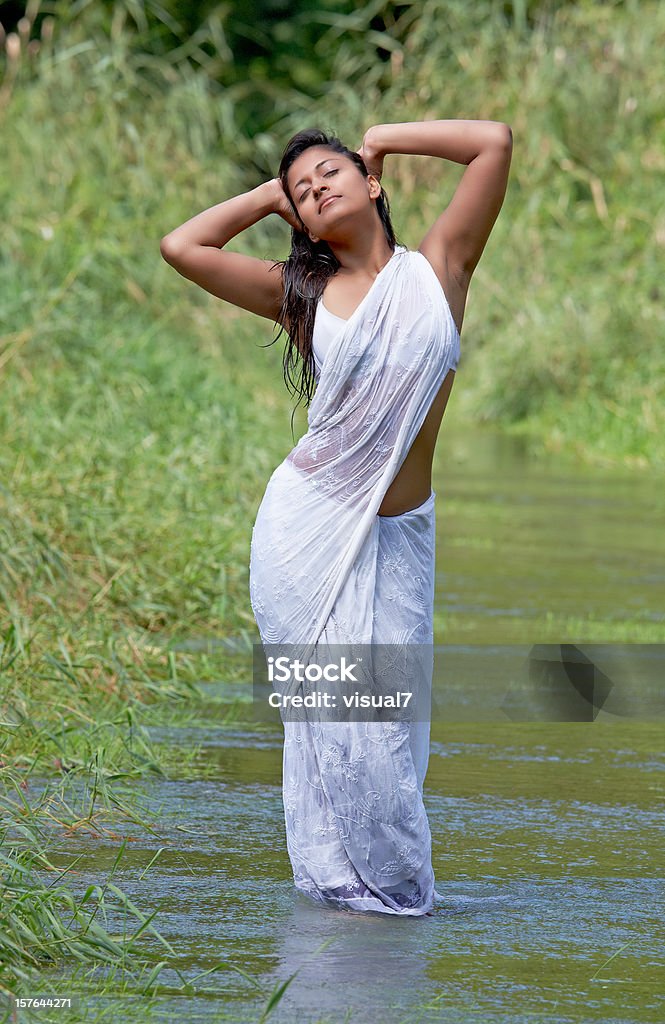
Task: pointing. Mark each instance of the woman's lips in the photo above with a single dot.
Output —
(326, 201)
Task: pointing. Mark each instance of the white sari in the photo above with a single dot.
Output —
(325, 568)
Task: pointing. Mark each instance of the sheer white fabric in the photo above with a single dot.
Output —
(326, 328)
(325, 568)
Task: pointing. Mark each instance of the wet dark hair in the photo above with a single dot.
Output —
(309, 266)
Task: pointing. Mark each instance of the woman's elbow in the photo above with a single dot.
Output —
(170, 248)
(505, 135)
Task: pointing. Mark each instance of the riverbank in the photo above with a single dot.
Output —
(142, 418)
(562, 338)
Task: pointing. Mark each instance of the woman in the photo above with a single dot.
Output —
(343, 545)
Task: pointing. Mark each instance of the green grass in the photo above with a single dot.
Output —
(41, 921)
(141, 419)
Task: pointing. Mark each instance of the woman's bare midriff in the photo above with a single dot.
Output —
(413, 483)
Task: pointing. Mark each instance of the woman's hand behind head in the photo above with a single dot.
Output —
(371, 157)
(283, 205)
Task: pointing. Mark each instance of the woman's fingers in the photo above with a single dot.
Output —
(373, 163)
(283, 206)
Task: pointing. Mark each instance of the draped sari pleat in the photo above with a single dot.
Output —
(326, 568)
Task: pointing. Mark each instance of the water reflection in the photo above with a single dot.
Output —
(547, 836)
(547, 843)
(372, 968)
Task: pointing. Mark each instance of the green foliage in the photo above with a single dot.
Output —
(141, 418)
(40, 919)
(258, 54)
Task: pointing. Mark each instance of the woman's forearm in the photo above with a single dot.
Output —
(457, 140)
(217, 225)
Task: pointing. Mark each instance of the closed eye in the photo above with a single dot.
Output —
(326, 175)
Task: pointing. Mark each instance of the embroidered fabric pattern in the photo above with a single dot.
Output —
(326, 568)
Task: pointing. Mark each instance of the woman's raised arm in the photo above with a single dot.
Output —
(455, 242)
(195, 250)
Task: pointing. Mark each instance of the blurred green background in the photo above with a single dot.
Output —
(141, 417)
(125, 114)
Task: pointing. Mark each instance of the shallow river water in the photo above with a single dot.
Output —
(548, 835)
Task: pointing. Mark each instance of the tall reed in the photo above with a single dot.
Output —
(141, 418)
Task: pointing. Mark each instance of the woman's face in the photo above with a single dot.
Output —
(327, 189)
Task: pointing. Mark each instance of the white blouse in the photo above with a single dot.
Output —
(326, 326)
